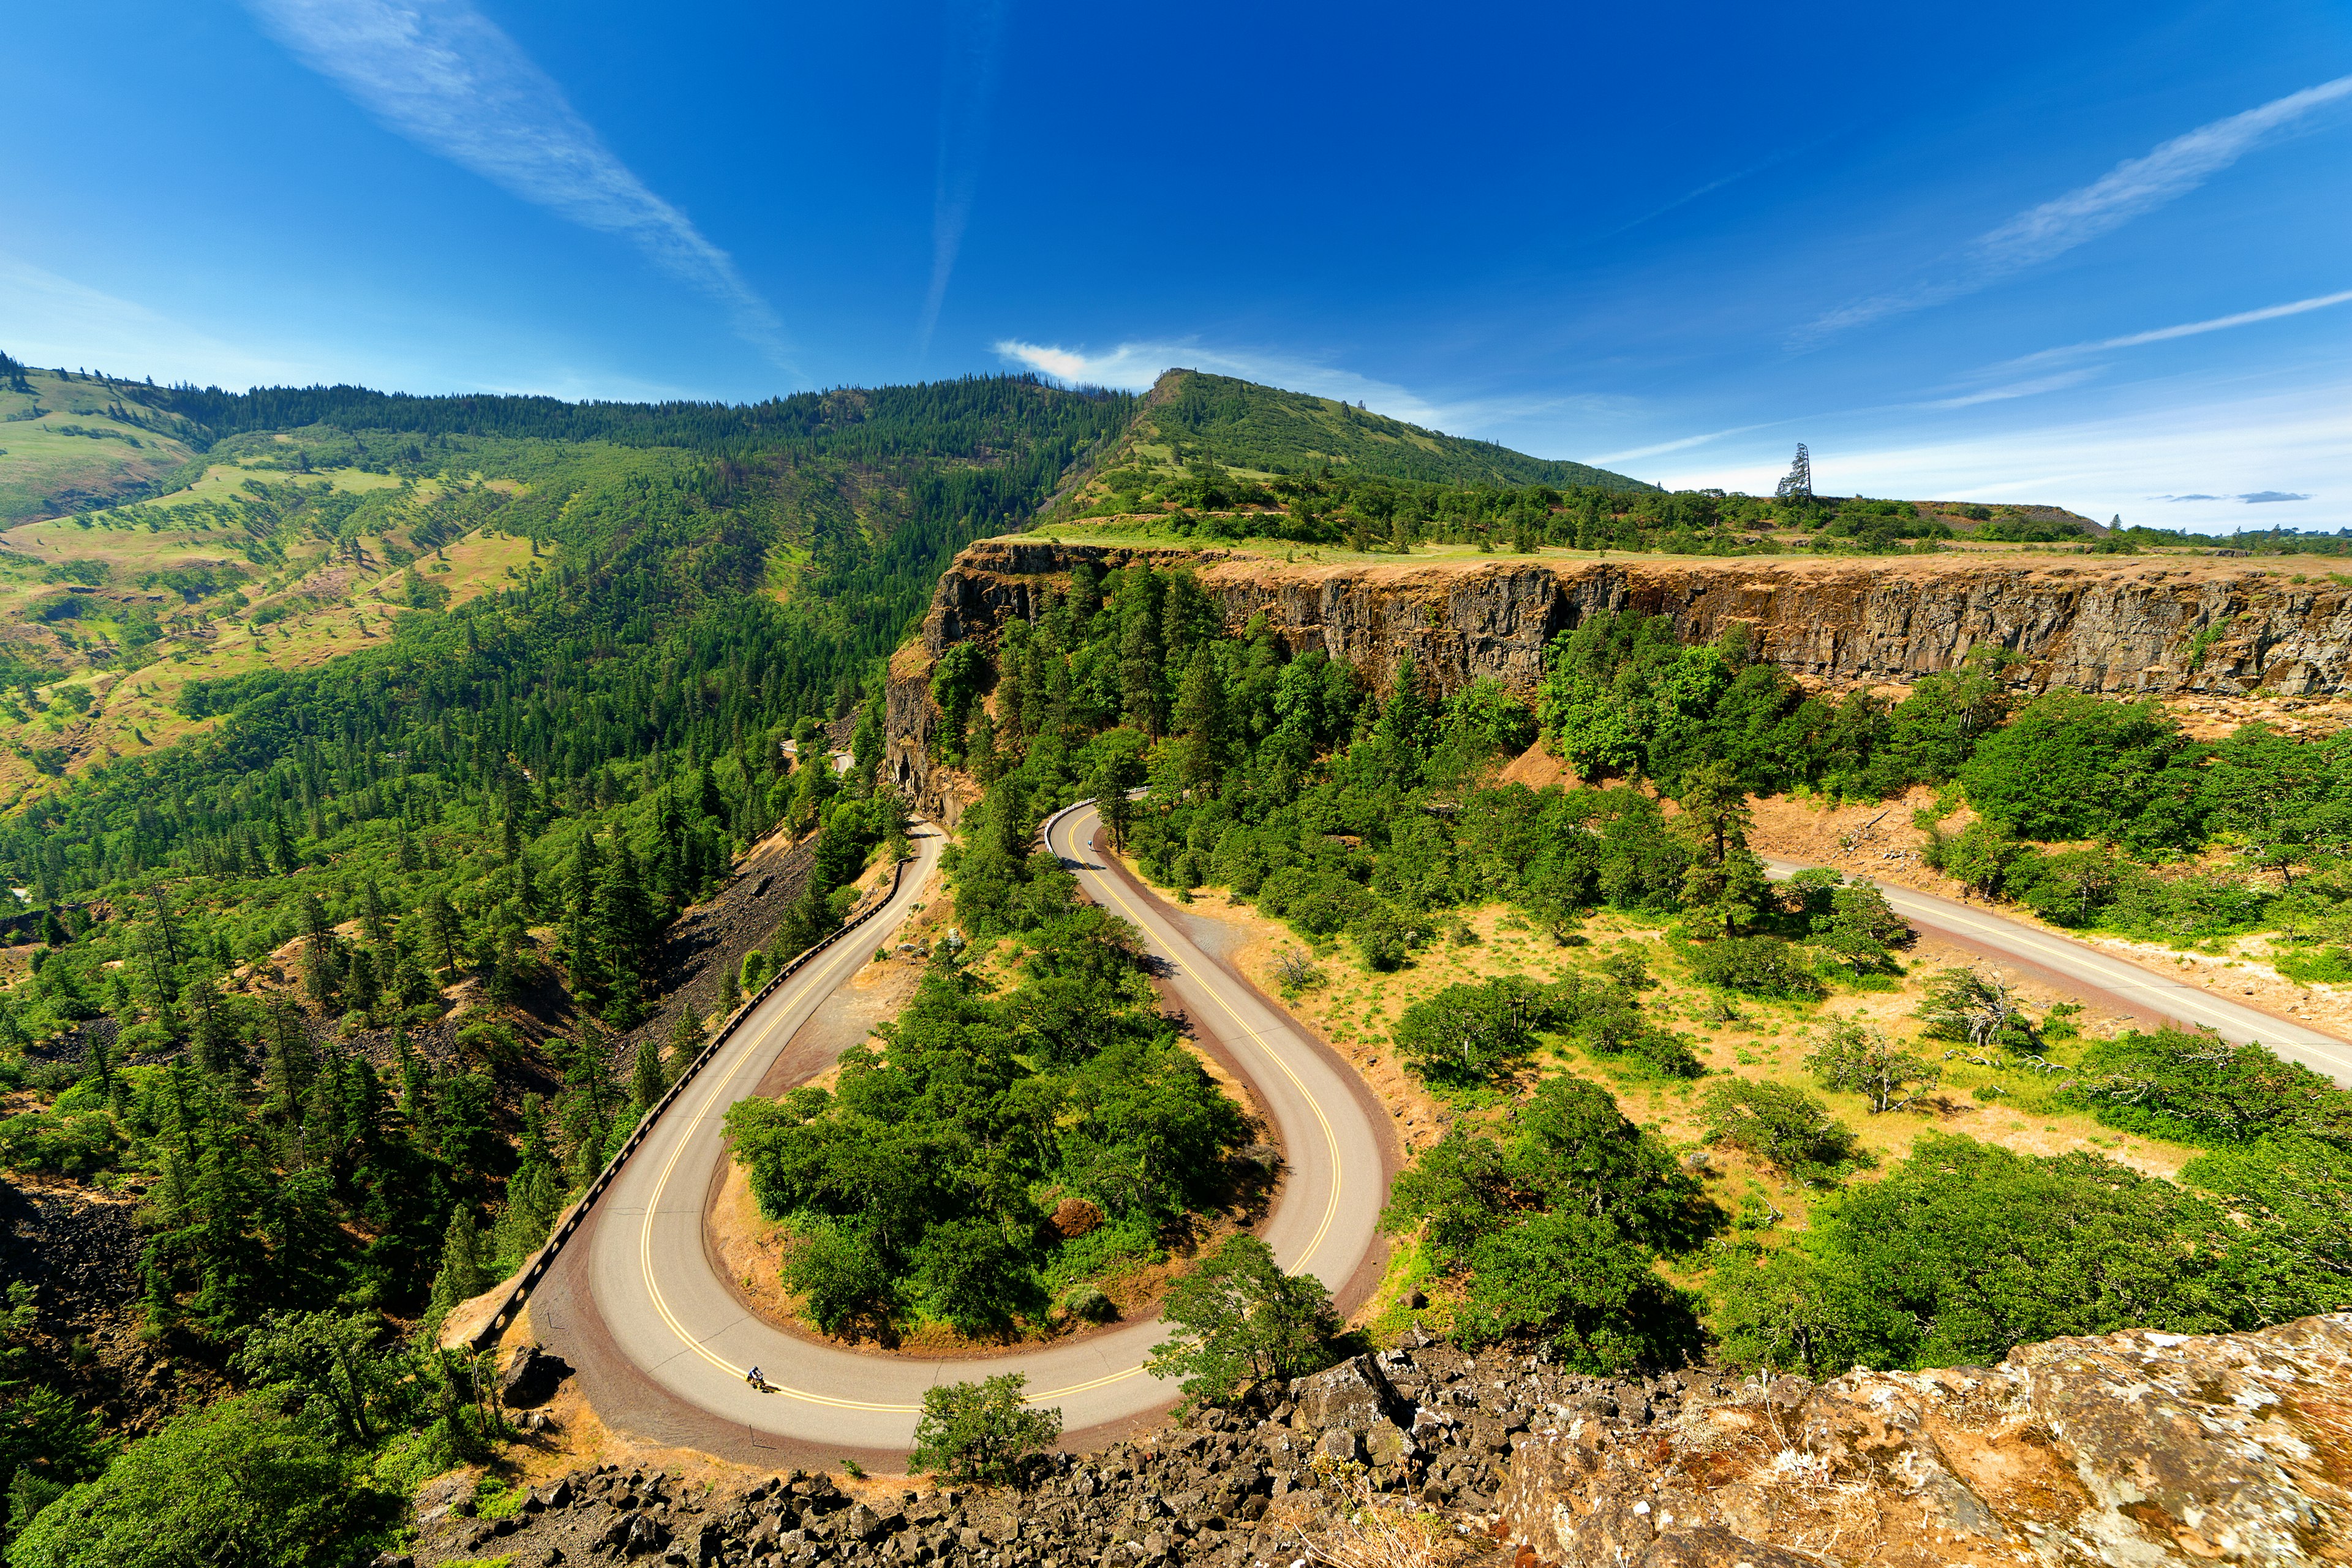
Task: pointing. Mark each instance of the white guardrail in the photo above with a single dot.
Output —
(543, 1260)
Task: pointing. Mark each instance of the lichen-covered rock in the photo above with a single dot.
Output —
(2131, 1450)
(1355, 1394)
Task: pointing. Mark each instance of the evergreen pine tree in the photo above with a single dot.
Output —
(446, 931)
(461, 1275)
(650, 1081)
(686, 1042)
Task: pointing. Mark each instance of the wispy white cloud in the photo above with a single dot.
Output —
(2031, 387)
(966, 90)
(51, 320)
(2132, 187)
(2185, 330)
(448, 78)
(1137, 365)
(2141, 184)
(1682, 444)
(1769, 162)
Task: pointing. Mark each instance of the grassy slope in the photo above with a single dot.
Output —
(48, 462)
(100, 699)
(1263, 430)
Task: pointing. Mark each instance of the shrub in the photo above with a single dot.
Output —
(1979, 856)
(1861, 1060)
(1964, 1006)
(843, 1276)
(2294, 1257)
(1577, 1280)
(67, 1145)
(971, 1277)
(1465, 1034)
(1294, 971)
(1759, 965)
(2198, 1089)
(234, 1482)
(1087, 1304)
(1381, 937)
(1787, 1308)
(1570, 1149)
(1975, 1249)
(1238, 1318)
(2071, 766)
(980, 1431)
(1782, 1126)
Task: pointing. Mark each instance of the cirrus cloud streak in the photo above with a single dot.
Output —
(446, 78)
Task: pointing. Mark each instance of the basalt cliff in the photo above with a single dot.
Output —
(2125, 626)
(2129, 1450)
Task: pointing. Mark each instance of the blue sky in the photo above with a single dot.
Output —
(2098, 254)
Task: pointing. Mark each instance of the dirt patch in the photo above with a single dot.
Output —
(1537, 767)
(751, 1246)
(709, 939)
(1877, 840)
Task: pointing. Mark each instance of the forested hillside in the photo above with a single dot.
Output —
(325, 964)
(1190, 417)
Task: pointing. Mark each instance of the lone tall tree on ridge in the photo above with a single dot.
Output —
(1798, 485)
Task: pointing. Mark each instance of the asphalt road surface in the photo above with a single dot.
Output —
(2117, 983)
(639, 1302)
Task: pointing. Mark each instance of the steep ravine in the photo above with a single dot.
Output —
(2128, 625)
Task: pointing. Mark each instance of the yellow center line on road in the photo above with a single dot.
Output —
(645, 1235)
(1331, 1138)
(720, 1089)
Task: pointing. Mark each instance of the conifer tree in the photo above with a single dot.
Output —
(686, 1042)
(444, 929)
(650, 1080)
(461, 1275)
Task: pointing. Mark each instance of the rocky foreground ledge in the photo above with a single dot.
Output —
(2134, 1448)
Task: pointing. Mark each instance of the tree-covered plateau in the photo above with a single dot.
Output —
(1223, 761)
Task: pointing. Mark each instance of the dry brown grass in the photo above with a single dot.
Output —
(1364, 1529)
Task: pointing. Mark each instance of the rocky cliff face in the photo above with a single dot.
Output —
(2134, 1449)
(2127, 625)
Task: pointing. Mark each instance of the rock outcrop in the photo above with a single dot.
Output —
(2127, 625)
(2133, 1449)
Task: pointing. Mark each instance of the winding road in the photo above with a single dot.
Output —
(639, 1302)
(2118, 983)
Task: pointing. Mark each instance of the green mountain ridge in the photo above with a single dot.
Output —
(1190, 416)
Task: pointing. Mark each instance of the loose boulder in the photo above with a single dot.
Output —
(1354, 1394)
(532, 1377)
